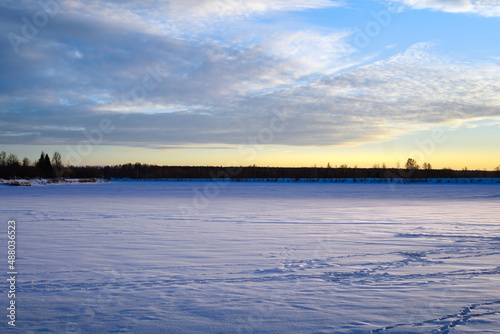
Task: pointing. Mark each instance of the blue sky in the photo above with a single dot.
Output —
(224, 82)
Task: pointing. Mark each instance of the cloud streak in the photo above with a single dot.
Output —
(208, 10)
(488, 8)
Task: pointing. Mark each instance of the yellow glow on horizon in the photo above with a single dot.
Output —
(474, 147)
(283, 156)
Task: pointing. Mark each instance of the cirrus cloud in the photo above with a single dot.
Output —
(488, 8)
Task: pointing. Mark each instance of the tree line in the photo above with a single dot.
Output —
(11, 166)
(47, 167)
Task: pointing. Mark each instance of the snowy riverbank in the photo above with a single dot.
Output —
(332, 180)
(44, 182)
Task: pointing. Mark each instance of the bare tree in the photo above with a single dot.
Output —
(12, 160)
(411, 164)
(57, 160)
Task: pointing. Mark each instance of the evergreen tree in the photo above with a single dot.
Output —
(49, 172)
(40, 165)
(44, 166)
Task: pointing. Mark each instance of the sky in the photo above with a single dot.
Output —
(264, 82)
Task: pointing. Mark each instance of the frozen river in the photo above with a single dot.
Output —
(196, 257)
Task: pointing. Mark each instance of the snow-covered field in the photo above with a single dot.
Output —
(201, 257)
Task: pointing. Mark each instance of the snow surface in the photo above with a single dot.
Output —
(217, 257)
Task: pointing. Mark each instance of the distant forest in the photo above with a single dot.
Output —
(46, 167)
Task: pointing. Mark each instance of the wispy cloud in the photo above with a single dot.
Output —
(208, 10)
(95, 60)
(312, 51)
(488, 8)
